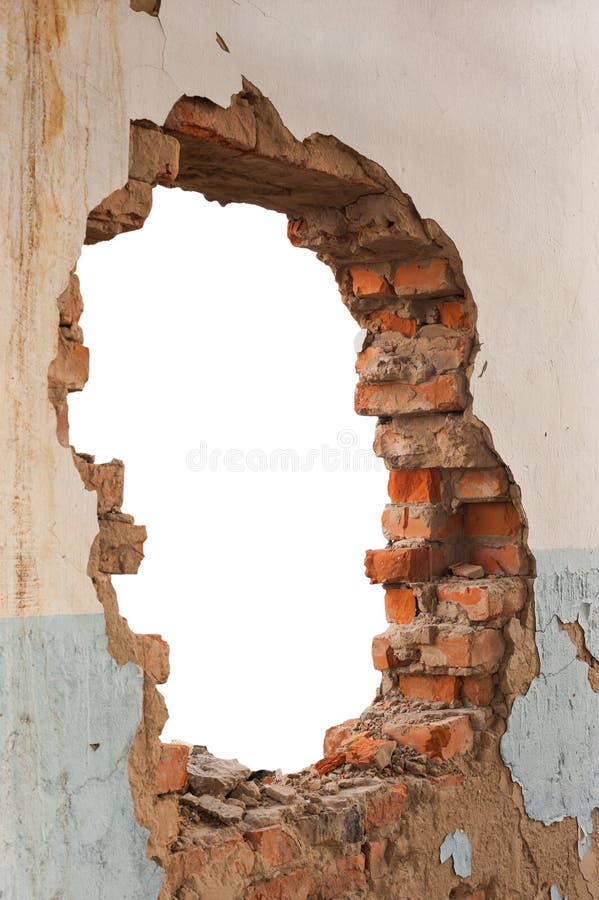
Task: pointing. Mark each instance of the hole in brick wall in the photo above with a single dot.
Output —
(210, 333)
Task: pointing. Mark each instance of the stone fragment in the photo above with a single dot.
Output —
(248, 792)
(208, 774)
(227, 813)
(153, 155)
(70, 302)
(107, 479)
(121, 547)
(467, 570)
(434, 441)
(282, 793)
(124, 210)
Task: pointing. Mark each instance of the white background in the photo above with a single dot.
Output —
(207, 329)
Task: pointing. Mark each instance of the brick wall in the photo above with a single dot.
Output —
(455, 570)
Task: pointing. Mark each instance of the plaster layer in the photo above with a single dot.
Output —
(68, 716)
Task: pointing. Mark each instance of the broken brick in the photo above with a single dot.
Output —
(437, 738)
(425, 279)
(400, 605)
(171, 772)
(414, 486)
(398, 564)
(437, 688)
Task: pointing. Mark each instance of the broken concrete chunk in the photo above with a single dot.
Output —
(467, 570)
(248, 792)
(280, 792)
(227, 813)
(209, 775)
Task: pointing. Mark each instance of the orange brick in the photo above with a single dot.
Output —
(384, 809)
(424, 279)
(439, 739)
(438, 688)
(491, 518)
(385, 320)
(414, 486)
(453, 314)
(368, 752)
(343, 877)
(274, 846)
(398, 564)
(171, 773)
(299, 885)
(383, 657)
(442, 393)
(329, 763)
(400, 605)
(495, 597)
(366, 283)
(510, 559)
(483, 647)
(336, 734)
(433, 524)
(480, 484)
(478, 691)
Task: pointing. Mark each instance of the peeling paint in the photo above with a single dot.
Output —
(457, 845)
(554, 728)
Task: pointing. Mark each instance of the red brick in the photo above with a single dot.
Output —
(439, 739)
(414, 486)
(398, 564)
(329, 763)
(383, 657)
(424, 279)
(483, 647)
(343, 877)
(274, 846)
(431, 523)
(383, 809)
(484, 601)
(336, 734)
(438, 688)
(442, 393)
(368, 752)
(511, 559)
(453, 314)
(479, 691)
(70, 369)
(384, 320)
(366, 283)
(400, 605)
(171, 773)
(491, 518)
(299, 885)
(480, 484)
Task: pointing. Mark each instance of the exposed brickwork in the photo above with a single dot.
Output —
(335, 829)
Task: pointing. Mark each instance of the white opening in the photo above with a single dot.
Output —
(215, 345)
